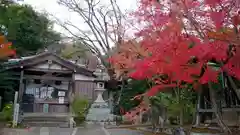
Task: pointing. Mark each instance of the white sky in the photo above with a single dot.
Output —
(59, 11)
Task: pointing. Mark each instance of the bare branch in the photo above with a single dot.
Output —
(104, 22)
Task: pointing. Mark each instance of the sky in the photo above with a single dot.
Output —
(62, 13)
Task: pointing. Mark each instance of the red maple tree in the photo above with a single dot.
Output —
(179, 40)
(6, 49)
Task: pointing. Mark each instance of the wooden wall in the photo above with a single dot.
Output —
(85, 88)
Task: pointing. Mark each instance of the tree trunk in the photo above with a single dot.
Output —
(178, 94)
(181, 122)
(234, 86)
(154, 118)
(121, 91)
(218, 115)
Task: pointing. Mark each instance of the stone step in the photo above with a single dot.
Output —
(52, 119)
(46, 121)
(47, 124)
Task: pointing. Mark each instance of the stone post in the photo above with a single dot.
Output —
(111, 101)
(197, 122)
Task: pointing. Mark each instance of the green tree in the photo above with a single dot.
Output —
(27, 29)
(74, 50)
(180, 104)
(132, 89)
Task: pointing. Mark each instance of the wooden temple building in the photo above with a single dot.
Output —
(226, 103)
(48, 82)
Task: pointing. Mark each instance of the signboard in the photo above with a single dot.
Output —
(61, 100)
(61, 93)
(45, 108)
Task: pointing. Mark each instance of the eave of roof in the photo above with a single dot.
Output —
(17, 63)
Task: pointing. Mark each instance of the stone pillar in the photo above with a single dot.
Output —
(140, 116)
(71, 96)
(111, 101)
(197, 122)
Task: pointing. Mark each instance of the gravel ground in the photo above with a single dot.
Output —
(88, 130)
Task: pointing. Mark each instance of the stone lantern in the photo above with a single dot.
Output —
(99, 91)
(100, 85)
(99, 111)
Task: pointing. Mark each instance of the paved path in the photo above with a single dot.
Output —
(123, 132)
(99, 130)
(39, 131)
(89, 130)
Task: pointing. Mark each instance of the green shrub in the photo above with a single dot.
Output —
(79, 107)
(7, 112)
(79, 119)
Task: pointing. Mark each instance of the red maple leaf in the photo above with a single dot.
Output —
(180, 39)
(212, 3)
(218, 18)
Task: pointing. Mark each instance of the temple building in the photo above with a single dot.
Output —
(48, 82)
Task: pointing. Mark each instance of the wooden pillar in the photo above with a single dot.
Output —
(73, 82)
(21, 86)
(71, 92)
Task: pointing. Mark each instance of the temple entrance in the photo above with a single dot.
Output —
(44, 98)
